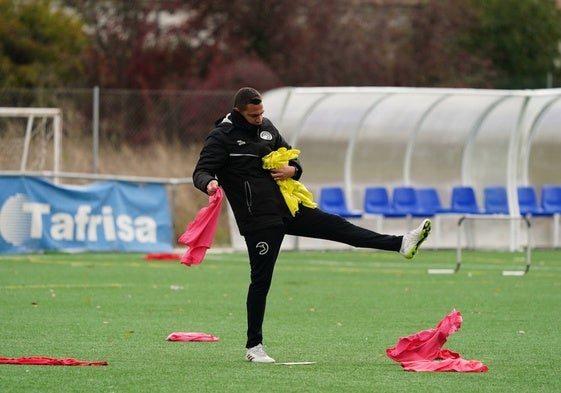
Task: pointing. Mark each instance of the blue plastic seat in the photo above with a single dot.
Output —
(551, 198)
(404, 200)
(551, 204)
(496, 200)
(528, 202)
(377, 202)
(332, 200)
(428, 202)
(463, 200)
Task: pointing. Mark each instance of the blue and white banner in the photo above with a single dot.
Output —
(37, 215)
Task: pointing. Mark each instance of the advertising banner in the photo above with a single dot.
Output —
(38, 215)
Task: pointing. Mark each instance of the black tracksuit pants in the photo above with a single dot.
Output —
(264, 245)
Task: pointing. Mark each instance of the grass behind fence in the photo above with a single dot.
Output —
(338, 309)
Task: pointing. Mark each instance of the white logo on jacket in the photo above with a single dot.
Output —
(266, 135)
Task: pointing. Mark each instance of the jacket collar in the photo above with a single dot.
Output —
(240, 122)
(235, 119)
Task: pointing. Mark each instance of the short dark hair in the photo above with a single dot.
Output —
(246, 96)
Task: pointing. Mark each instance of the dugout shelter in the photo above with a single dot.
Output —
(356, 137)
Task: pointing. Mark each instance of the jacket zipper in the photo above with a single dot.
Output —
(248, 197)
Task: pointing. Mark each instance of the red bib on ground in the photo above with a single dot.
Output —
(423, 351)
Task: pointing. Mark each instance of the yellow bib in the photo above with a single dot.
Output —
(292, 190)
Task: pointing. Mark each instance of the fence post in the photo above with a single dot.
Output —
(95, 129)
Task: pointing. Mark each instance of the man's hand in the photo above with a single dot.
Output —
(211, 187)
(286, 172)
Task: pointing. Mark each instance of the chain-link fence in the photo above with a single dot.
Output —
(121, 133)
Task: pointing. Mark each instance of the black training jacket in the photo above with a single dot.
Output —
(232, 154)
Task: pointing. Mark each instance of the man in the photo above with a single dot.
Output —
(232, 159)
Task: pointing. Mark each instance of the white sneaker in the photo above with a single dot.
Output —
(413, 239)
(257, 354)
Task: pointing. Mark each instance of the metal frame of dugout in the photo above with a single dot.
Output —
(468, 217)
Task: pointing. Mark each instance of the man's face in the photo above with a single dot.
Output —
(253, 114)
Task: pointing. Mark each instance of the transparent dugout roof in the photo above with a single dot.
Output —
(365, 136)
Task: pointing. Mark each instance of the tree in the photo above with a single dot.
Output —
(40, 45)
(435, 54)
(316, 42)
(520, 37)
(125, 50)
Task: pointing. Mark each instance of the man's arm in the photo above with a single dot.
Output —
(212, 157)
(281, 142)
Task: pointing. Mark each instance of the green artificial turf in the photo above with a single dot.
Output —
(338, 309)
